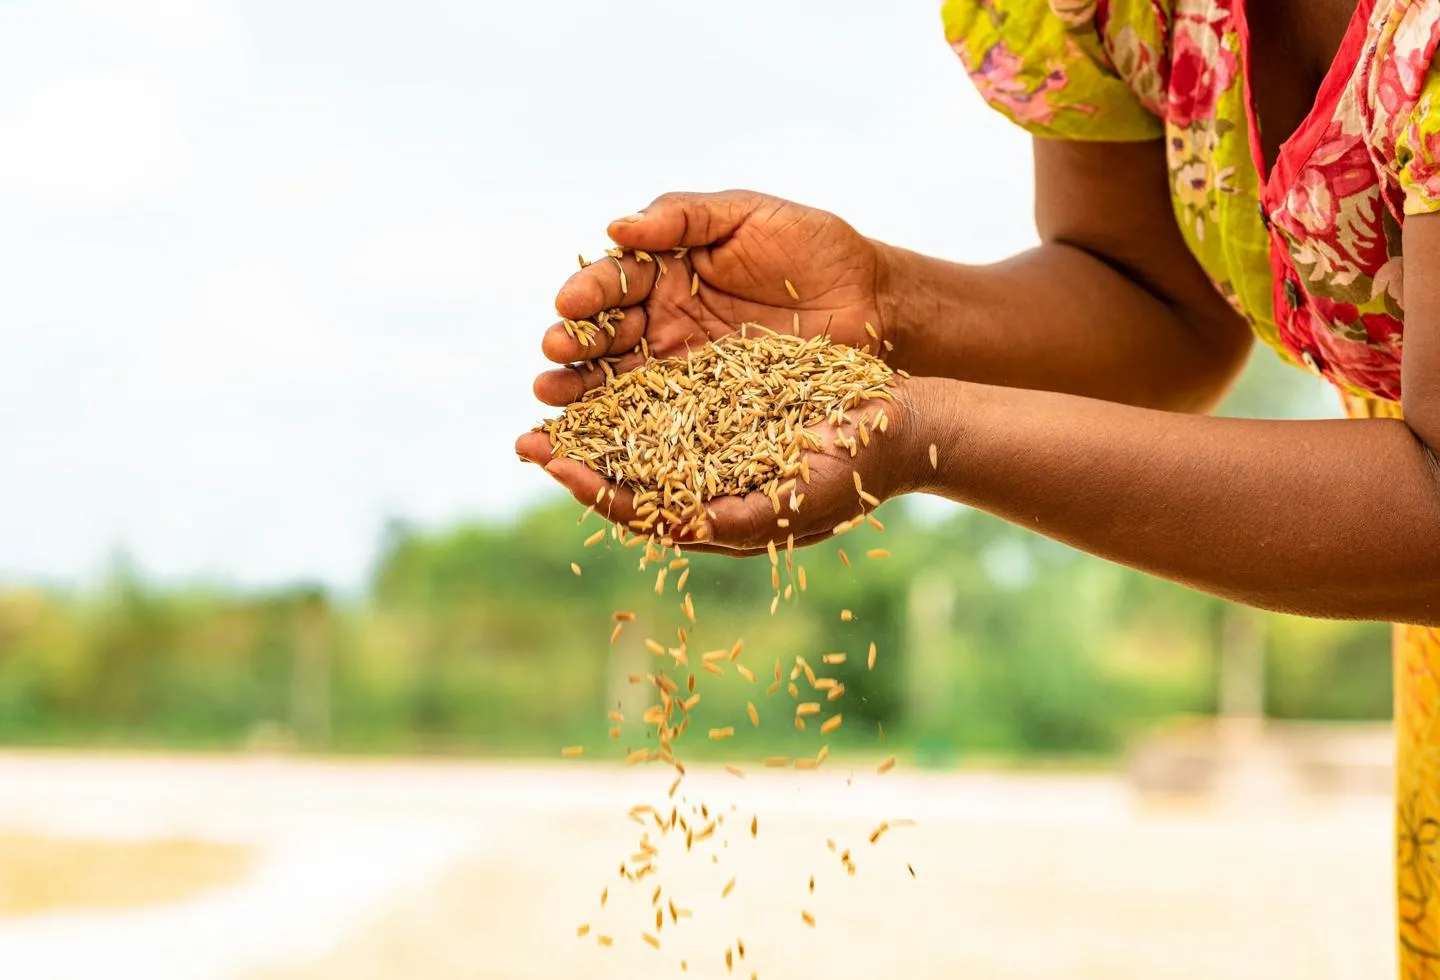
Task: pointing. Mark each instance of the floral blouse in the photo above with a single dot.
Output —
(1306, 247)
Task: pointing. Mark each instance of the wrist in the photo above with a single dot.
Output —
(894, 280)
(927, 417)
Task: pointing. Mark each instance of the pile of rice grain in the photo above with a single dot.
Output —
(736, 417)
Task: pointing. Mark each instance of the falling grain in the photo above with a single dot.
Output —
(694, 283)
(729, 887)
(808, 919)
(570, 751)
(604, 940)
(754, 715)
(790, 288)
(595, 538)
(716, 734)
(877, 553)
(834, 658)
(650, 939)
(735, 771)
(886, 766)
(776, 762)
(575, 568)
(846, 615)
(831, 724)
(934, 456)
(745, 673)
(870, 660)
(844, 558)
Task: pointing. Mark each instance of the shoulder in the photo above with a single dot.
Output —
(1077, 69)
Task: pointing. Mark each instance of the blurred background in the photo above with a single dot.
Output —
(288, 640)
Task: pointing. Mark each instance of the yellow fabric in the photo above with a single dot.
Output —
(1417, 777)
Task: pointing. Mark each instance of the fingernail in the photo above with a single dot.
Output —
(630, 219)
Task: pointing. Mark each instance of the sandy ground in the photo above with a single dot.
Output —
(484, 871)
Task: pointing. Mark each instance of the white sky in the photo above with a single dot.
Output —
(272, 271)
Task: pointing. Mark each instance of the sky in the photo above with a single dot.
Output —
(274, 272)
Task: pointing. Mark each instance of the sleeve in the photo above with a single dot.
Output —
(1407, 87)
(1067, 69)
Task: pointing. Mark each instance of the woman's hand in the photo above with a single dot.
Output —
(841, 488)
(740, 250)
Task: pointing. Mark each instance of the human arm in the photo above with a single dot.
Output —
(1111, 304)
(1334, 518)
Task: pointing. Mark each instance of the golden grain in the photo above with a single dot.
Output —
(886, 766)
(790, 288)
(846, 615)
(831, 724)
(934, 456)
(754, 714)
(570, 751)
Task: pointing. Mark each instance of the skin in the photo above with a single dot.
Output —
(1060, 386)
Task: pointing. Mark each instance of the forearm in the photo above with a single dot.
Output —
(1337, 519)
(1055, 318)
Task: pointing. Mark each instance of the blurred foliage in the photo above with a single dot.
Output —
(479, 639)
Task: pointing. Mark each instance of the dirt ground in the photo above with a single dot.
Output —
(1015, 879)
(46, 874)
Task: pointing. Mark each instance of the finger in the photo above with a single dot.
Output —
(601, 286)
(743, 523)
(706, 548)
(534, 447)
(566, 385)
(686, 220)
(593, 490)
(560, 346)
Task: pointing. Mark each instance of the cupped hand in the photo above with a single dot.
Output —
(726, 260)
(841, 488)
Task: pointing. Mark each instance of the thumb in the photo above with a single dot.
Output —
(686, 220)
